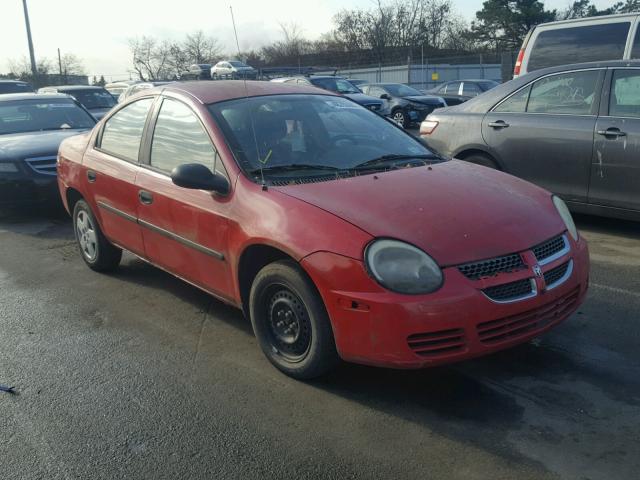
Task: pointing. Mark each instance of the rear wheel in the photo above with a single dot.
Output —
(400, 117)
(484, 160)
(290, 321)
(97, 252)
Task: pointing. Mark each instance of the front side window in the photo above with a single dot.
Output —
(588, 43)
(571, 93)
(180, 138)
(624, 100)
(20, 116)
(300, 135)
(123, 131)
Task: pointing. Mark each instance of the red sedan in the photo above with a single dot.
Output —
(339, 235)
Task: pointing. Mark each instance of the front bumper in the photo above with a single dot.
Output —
(26, 187)
(376, 327)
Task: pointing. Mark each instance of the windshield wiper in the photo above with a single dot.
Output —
(376, 162)
(292, 167)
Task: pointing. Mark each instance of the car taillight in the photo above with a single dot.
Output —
(427, 127)
(518, 65)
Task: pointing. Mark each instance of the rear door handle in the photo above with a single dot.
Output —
(498, 124)
(612, 132)
(145, 197)
(91, 176)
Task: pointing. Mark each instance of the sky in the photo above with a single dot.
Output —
(97, 30)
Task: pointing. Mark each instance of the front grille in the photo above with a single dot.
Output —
(437, 343)
(509, 328)
(510, 291)
(555, 274)
(549, 248)
(43, 165)
(493, 266)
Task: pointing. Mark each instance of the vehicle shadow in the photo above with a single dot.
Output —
(50, 221)
(608, 226)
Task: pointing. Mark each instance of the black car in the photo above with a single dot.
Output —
(31, 129)
(95, 99)
(459, 91)
(15, 86)
(338, 85)
(573, 129)
(405, 104)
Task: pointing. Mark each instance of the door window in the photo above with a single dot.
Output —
(123, 131)
(568, 93)
(579, 44)
(470, 89)
(453, 88)
(180, 138)
(624, 100)
(516, 103)
(635, 52)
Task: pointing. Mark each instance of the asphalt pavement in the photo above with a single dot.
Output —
(137, 375)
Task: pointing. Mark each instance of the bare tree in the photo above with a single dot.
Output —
(72, 65)
(151, 58)
(200, 48)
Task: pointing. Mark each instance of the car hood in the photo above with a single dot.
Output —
(363, 99)
(425, 99)
(32, 144)
(455, 211)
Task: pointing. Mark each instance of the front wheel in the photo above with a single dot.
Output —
(97, 252)
(291, 323)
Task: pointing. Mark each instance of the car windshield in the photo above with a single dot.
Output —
(239, 64)
(304, 135)
(400, 90)
(93, 98)
(338, 85)
(15, 87)
(21, 116)
(487, 85)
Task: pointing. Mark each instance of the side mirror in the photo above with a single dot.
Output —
(199, 177)
(385, 96)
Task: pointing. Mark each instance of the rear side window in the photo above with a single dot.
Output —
(470, 89)
(180, 138)
(516, 103)
(453, 88)
(624, 100)
(123, 132)
(588, 43)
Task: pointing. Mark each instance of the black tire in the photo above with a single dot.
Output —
(214, 76)
(97, 252)
(484, 160)
(399, 116)
(291, 323)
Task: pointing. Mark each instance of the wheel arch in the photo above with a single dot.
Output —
(467, 151)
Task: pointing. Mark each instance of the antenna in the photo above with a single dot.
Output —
(246, 92)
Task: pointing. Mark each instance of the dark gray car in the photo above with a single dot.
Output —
(94, 98)
(574, 130)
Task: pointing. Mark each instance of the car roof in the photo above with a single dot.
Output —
(74, 87)
(488, 99)
(212, 91)
(30, 96)
(13, 81)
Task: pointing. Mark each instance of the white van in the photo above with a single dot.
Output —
(611, 37)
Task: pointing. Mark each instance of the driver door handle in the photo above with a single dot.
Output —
(145, 197)
(612, 132)
(498, 124)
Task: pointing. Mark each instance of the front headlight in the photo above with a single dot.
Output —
(402, 268)
(563, 210)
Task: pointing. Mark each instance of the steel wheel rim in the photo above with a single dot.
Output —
(87, 238)
(288, 323)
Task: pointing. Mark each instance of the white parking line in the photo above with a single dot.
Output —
(616, 290)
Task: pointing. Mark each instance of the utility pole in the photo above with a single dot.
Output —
(32, 55)
(60, 64)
